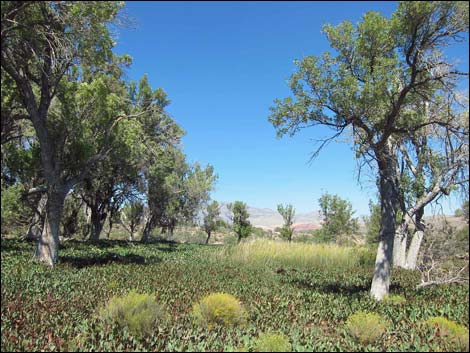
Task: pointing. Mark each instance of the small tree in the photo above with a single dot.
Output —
(211, 219)
(288, 213)
(240, 223)
(372, 223)
(131, 216)
(337, 217)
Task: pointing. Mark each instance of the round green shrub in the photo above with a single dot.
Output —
(140, 313)
(366, 327)
(455, 332)
(219, 309)
(272, 342)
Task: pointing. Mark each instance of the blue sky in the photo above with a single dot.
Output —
(222, 64)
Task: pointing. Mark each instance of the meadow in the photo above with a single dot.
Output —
(306, 298)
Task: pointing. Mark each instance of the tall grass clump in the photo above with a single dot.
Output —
(455, 332)
(366, 327)
(272, 342)
(140, 313)
(219, 309)
(263, 252)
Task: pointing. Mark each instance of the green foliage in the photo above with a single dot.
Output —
(176, 191)
(394, 299)
(15, 213)
(455, 332)
(366, 327)
(337, 217)
(272, 342)
(305, 303)
(240, 223)
(139, 313)
(73, 217)
(372, 223)
(211, 218)
(219, 309)
(132, 215)
(288, 213)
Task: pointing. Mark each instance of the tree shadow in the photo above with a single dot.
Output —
(14, 245)
(339, 288)
(82, 262)
(101, 244)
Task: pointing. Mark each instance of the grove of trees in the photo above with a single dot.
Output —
(73, 128)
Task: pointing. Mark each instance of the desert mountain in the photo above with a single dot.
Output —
(269, 219)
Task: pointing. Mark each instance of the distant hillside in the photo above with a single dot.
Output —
(267, 218)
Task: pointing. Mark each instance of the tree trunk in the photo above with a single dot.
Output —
(110, 224)
(47, 246)
(37, 222)
(389, 203)
(413, 252)
(399, 245)
(149, 225)
(208, 237)
(97, 223)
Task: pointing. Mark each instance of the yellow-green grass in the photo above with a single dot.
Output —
(262, 252)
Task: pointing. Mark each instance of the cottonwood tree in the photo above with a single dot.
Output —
(434, 164)
(288, 213)
(211, 219)
(337, 216)
(380, 67)
(239, 217)
(176, 191)
(59, 56)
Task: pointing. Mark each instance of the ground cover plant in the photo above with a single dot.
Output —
(60, 309)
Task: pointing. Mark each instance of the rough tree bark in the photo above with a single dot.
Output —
(37, 222)
(389, 196)
(47, 245)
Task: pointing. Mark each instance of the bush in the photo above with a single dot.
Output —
(140, 313)
(271, 342)
(219, 309)
(366, 327)
(455, 332)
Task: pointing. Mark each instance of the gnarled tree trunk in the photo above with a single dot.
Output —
(389, 202)
(37, 222)
(97, 222)
(47, 246)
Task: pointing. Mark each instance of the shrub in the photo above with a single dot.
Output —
(394, 299)
(271, 342)
(140, 313)
(220, 309)
(366, 327)
(455, 332)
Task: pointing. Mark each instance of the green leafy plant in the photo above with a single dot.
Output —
(219, 309)
(366, 327)
(272, 342)
(455, 332)
(140, 313)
